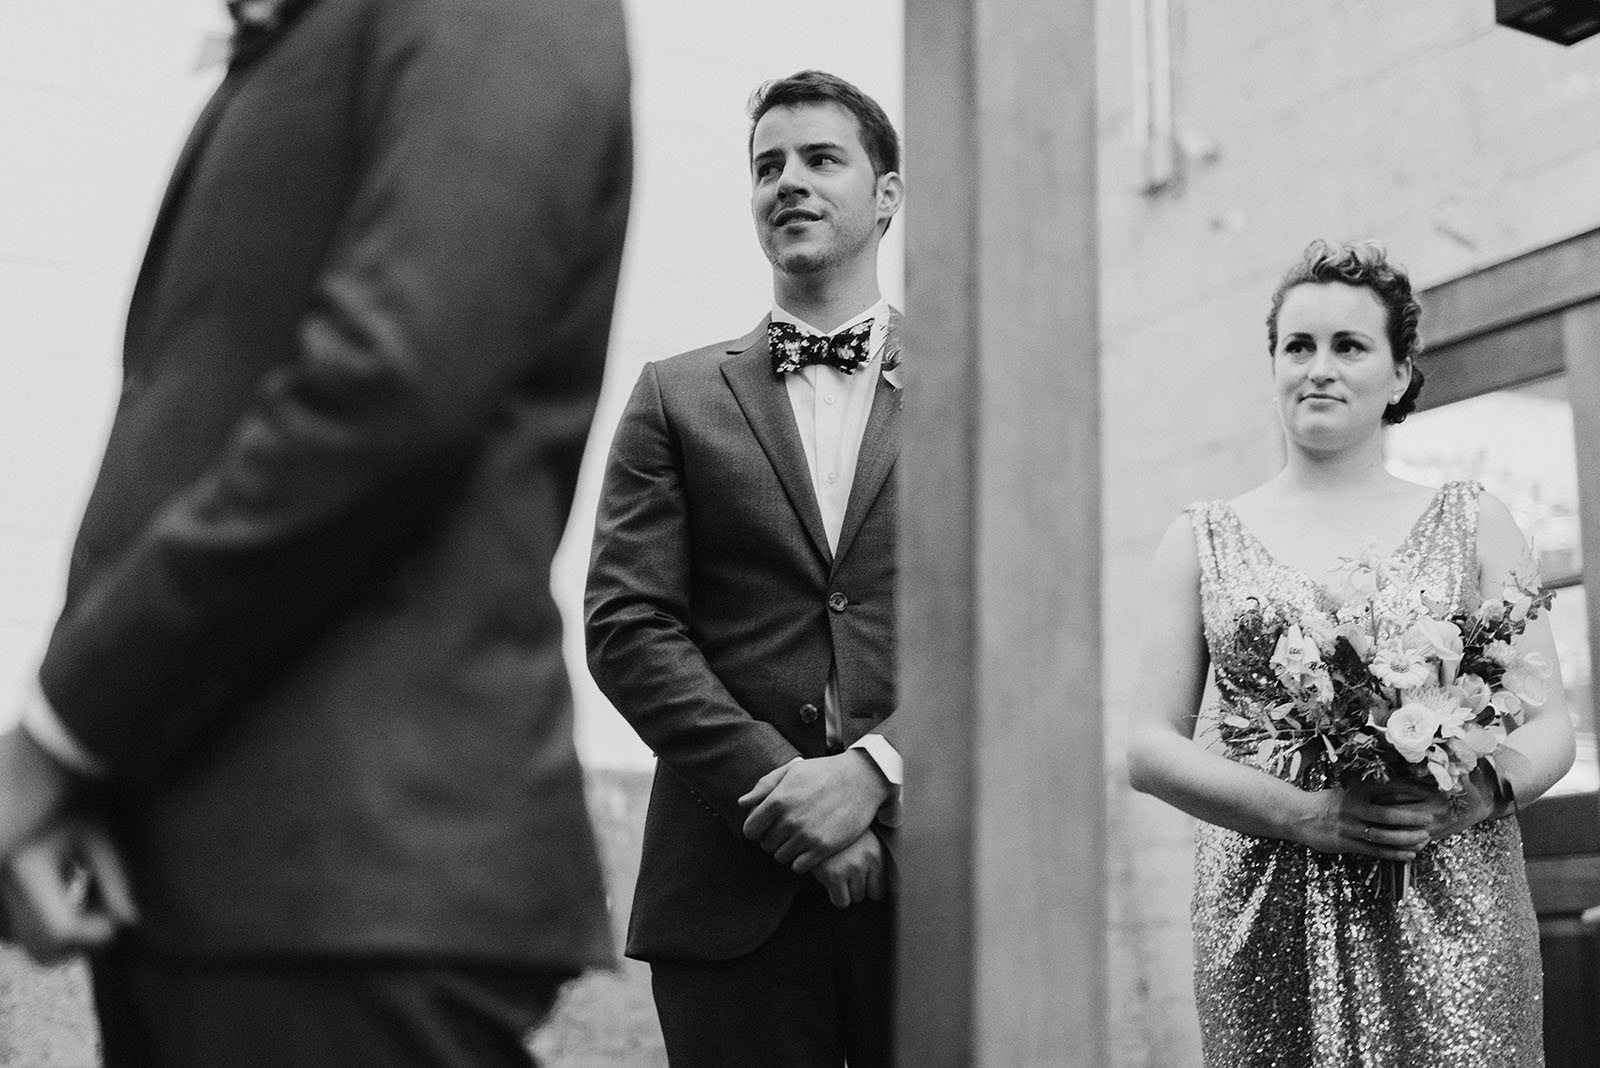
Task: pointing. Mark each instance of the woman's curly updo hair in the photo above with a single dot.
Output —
(1366, 264)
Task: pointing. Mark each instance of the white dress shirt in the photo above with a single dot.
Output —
(39, 719)
(830, 411)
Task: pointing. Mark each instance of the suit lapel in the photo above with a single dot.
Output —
(182, 172)
(880, 446)
(765, 402)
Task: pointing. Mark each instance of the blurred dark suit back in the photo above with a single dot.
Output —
(309, 623)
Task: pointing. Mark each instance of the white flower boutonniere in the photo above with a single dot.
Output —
(891, 369)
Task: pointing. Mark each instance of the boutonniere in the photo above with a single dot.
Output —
(891, 369)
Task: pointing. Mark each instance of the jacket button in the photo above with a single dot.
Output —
(808, 713)
(837, 602)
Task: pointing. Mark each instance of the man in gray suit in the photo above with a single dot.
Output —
(741, 615)
(309, 671)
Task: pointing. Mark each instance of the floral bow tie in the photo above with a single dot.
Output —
(793, 348)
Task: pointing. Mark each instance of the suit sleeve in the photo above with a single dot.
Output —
(638, 624)
(478, 255)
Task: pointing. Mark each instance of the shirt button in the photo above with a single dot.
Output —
(827, 398)
(837, 602)
(808, 713)
(832, 476)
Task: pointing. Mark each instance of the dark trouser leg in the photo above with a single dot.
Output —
(817, 993)
(159, 1012)
(866, 981)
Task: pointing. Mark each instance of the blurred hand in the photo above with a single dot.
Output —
(858, 872)
(810, 809)
(66, 891)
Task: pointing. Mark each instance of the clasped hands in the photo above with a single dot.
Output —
(63, 887)
(815, 816)
(1392, 821)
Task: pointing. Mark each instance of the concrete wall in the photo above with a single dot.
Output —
(1455, 142)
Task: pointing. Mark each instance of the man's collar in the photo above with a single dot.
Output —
(879, 310)
(257, 24)
(257, 14)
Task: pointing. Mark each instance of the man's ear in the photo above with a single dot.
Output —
(891, 194)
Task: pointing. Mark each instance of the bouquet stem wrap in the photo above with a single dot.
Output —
(1392, 879)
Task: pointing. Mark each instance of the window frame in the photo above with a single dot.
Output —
(1524, 319)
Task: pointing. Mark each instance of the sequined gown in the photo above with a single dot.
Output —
(1298, 963)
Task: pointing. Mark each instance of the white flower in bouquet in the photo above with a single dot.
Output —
(1319, 629)
(1411, 730)
(1490, 612)
(1526, 677)
(1473, 692)
(1476, 742)
(1293, 653)
(1517, 603)
(1297, 662)
(1437, 639)
(1359, 584)
(1508, 704)
(1401, 667)
(1360, 577)
(1389, 624)
(890, 367)
(1359, 637)
(1501, 653)
(1439, 767)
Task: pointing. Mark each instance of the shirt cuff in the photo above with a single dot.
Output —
(39, 719)
(892, 766)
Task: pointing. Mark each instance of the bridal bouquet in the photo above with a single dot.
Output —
(1389, 686)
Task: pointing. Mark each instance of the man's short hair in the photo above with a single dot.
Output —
(878, 135)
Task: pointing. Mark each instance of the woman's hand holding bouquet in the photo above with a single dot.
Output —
(1397, 704)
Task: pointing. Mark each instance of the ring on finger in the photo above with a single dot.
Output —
(1366, 832)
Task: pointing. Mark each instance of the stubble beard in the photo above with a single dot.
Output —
(805, 262)
(800, 263)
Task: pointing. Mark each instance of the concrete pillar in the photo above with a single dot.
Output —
(1003, 854)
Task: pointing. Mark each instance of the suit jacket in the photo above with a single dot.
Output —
(308, 622)
(714, 609)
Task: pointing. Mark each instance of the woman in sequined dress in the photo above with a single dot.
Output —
(1299, 963)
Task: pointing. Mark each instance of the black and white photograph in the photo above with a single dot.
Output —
(877, 534)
